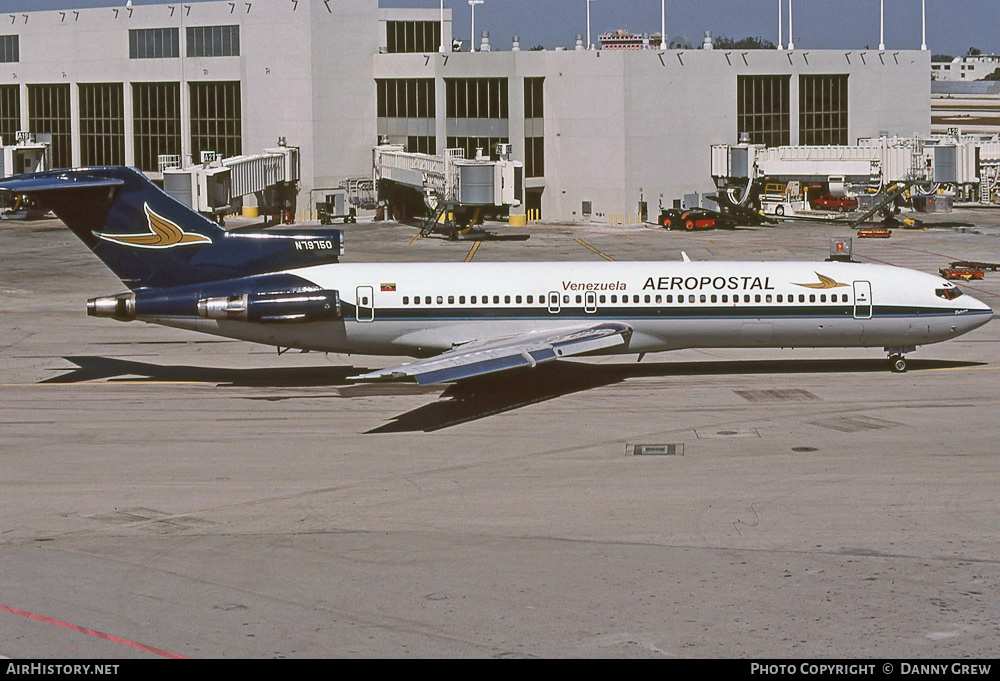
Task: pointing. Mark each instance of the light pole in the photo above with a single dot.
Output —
(472, 40)
(590, 45)
(663, 24)
(441, 48)
(780, 46)
(923, 24)
(791, 44)
(881, 24)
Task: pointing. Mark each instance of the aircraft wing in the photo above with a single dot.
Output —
(498, 354)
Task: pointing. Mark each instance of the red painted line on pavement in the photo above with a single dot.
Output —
(91, 632)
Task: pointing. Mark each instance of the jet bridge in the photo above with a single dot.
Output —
(446, 185)
(968, 164)
(217, 185)
(28, 154)
(878, 161)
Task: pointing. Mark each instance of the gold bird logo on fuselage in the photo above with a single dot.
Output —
(824, 282)
(162, 234)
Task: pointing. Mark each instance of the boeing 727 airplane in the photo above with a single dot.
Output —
(467, 319)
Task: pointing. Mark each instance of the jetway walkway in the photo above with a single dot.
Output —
(216, 185)
(448, 188)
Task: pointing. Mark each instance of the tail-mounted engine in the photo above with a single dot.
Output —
(305, 306)
(297, 305)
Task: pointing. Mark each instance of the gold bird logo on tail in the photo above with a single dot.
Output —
(162, 234)
(824, 282)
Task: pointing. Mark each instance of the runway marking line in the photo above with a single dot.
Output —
(586, 245)
(415, 237)
(472, 251)
(92, 632)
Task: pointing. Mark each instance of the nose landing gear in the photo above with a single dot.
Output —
(897, 361)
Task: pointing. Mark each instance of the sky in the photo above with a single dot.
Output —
(953, 26)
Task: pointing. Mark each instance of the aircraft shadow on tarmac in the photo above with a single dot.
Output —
(470, 399)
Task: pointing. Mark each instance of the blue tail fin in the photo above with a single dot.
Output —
(149, 239)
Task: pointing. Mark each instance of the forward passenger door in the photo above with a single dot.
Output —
(862, 300)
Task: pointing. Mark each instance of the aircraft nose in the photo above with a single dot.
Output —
(980, 313)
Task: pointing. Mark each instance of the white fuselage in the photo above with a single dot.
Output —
(421, 309)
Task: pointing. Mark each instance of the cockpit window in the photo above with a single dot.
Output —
(948, 293)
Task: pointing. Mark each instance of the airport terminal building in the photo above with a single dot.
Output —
(598, 131)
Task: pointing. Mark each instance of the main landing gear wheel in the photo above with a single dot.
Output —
(897, 363)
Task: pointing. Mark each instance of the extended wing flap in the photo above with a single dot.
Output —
(500, 354)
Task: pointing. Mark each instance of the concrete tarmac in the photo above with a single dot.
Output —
(186, 495)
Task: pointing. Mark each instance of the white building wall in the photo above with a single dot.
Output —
(628, 126)
(618, 126)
